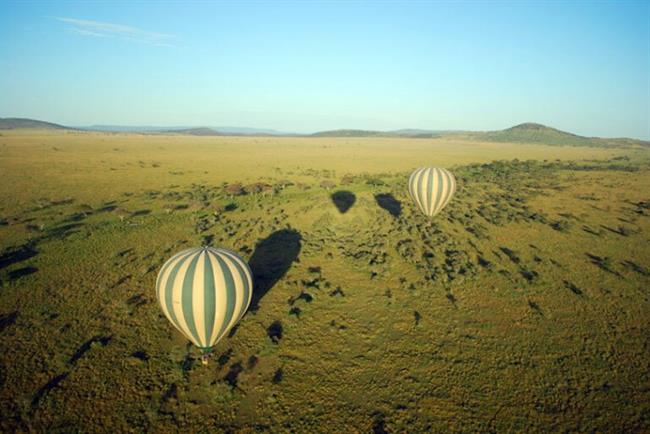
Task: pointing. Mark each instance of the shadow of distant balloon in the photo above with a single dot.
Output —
(343, 200)
(388, 202)
(271, 260)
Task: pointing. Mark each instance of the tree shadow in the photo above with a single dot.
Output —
(636, 267)
(44, 390)
(343, 200)
(233, 374)
(25, 271)
(278, 376)
(108, 207)
(274, 331)
(12, 256)
(7, 320)
(511, 254)
(535, 307)
(62, 231)
(271, 260)
(86, 346)
(604, 263)
(388, 202)
(572, 287)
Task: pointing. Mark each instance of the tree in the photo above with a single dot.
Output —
(235, 189)
(259, 187)
(327, 185)
(122, 213)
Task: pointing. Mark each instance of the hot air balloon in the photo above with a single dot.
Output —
(204, 292)
(431, 188)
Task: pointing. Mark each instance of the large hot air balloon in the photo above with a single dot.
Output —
(431, 188)
(204, 292)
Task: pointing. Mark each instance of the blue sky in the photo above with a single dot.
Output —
(307, 66)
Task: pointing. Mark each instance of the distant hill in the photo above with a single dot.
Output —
(532, 133)
(348, 133)
(252, 131)
(405, 132)
(130, 128)
(523, 133)
(420, 134)
(537, 133)
(237, 131)
(410, 131)
(201, 131)
(372, 133)
(24, 123)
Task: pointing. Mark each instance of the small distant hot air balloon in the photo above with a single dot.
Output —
(204, 292)
(431, 188)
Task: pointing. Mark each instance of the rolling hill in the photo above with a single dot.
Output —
(348, 133)
(24, 123)
(146, 129)
(414, 133)
(528, 132)
(200, 131)
(541, 134)
(523, 133)
(534, 133)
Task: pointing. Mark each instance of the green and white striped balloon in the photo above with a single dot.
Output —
(204, 292)
(431, 188)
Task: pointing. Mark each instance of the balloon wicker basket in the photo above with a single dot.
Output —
(205, 358)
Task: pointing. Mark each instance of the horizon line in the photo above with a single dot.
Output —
(171, 128)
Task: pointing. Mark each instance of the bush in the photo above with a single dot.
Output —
(258, 187)
(327, 185)
(375, 182)
(235, 189)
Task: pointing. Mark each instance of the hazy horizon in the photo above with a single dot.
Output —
(253, 129)
(302, 68)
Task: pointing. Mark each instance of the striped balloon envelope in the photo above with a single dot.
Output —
(204, 292)
(431, 188)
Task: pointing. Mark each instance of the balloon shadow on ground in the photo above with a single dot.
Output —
(388, 202)
(271, 260)
(343, 200)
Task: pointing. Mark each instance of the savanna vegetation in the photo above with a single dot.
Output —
(523, 306)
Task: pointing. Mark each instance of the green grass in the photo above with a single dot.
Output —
(522, 307)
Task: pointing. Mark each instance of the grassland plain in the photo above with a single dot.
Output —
(524, 306)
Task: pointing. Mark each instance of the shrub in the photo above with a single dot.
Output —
(375, 182)
(327, 184)
(258, 187)
(235, 189)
